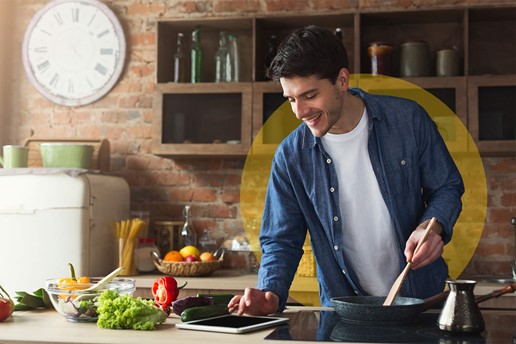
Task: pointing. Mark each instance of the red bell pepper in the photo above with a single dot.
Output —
(165, 291)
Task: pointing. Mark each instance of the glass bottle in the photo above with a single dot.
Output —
(271, 52)
(179, 60)
(233, 63)
(196, 56)
(220, 59)
(338, 33)
(188, 236)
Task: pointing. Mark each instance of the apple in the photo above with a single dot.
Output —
(6, 305)
(207, 257)
(191, 258)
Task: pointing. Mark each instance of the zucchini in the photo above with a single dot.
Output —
(201, 312)
(219, 298)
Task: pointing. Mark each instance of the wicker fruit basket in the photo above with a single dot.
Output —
(186, 269)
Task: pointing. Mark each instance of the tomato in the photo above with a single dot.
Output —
(6, 305)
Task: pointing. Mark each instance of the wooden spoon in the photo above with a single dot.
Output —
(91, 291)
(396, 287)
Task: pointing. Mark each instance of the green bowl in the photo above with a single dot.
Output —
(66, 155)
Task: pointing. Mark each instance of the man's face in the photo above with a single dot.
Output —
(317, 102)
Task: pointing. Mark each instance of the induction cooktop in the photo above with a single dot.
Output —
(325, 326)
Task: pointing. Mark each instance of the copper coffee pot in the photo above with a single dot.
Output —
(461, 312)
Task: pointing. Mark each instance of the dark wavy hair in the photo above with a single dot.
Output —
(309, 51)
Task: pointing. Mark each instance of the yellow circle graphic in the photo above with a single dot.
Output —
(469, 226)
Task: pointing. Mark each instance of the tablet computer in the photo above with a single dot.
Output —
(232, 323)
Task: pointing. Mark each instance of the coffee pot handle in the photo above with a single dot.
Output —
(497, 293)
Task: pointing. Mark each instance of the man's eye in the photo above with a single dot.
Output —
(291, 100)
(310, 96)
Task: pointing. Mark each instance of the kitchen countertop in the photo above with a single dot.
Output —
(47, 326)
(234, 281)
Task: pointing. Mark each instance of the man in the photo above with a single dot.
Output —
(363, 173)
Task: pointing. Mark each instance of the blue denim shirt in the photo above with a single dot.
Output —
(417, 177)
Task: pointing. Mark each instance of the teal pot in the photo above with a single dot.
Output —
(66, 155)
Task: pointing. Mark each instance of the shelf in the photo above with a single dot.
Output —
(492, 53)
(492, 113)
(440, 29)
(188, 118)
(485, 38)
(210, 29)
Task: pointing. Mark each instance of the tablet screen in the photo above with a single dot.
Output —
(232, 323)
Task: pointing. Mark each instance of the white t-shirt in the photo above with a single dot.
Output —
(368, 233)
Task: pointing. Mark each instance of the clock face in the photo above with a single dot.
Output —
(74, 51)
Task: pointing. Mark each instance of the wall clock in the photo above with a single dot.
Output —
(74, 51)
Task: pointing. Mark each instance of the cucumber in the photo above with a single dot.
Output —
(202, 312)
(219, 298)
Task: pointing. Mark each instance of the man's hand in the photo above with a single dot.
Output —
(254, 302)
(431, 249)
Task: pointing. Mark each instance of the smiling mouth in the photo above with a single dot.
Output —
(312, 120)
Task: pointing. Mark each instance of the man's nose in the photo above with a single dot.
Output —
(300, 109)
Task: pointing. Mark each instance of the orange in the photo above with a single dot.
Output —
(207, 257)
(173, 256)
(190, 251)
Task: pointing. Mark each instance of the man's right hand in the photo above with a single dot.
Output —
(254, 302)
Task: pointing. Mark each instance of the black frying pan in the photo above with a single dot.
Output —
(370, 309)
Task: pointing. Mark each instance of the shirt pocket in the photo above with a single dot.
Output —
(402, 175)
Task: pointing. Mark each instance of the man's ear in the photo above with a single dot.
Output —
(343, 78)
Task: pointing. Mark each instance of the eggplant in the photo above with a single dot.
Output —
(179, 305)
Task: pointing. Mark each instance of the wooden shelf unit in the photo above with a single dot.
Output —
(485, 37)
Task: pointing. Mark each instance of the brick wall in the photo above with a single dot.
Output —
(124, 116)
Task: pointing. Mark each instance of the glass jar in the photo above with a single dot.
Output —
(380, 58)
(143, 254)
(166, 236)
(207, 242)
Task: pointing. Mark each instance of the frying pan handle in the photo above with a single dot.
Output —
(499, 292)
(433, 300)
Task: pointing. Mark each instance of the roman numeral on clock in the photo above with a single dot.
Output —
(75, 15)
(101, 69)
(54, 80)
(58, 18)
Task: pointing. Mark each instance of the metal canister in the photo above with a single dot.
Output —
(415, 59)
(447, 62)
(380, 57)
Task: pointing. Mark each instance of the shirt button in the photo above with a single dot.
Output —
(328, 161)
(356, 292)
(403, 162)
(332, 189)
(335, 218)
(336, 248)
(344, 272)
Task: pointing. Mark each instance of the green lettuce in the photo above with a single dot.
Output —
(126, 312)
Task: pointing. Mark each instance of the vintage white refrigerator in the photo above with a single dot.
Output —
(49, 218)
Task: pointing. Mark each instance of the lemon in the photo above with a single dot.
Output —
(190, 251)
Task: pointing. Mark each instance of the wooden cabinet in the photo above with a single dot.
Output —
(223, 119)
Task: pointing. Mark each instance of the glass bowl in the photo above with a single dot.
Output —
(76, 305)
